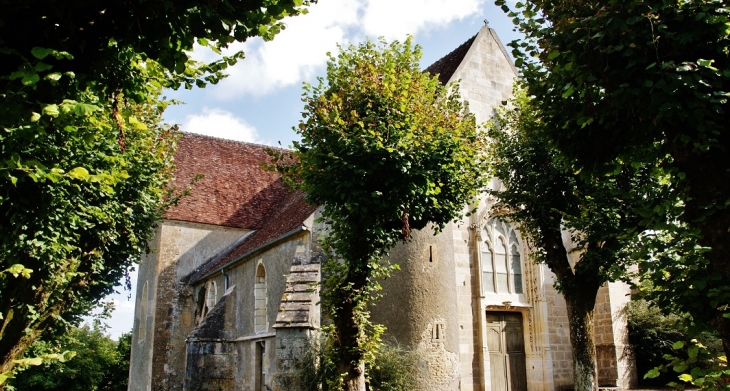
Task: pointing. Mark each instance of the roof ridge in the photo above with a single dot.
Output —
(186, 133)
(447, 65)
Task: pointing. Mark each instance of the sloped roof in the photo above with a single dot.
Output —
(446, 65)
(288, 215)
(234, 190)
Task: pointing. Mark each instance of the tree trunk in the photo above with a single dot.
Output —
(348, 328)
(579, 288)
(582, 338)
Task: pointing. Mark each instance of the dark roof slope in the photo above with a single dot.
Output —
(234, 190)
(288, 215)
(446, 66)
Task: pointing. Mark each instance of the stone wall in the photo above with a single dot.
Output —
(293, 355)
(486, 75)
(421, 298)
(558, 334)
(210, 366)
(158, 360)
(616, 364)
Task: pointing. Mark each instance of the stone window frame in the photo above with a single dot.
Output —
(513, 245)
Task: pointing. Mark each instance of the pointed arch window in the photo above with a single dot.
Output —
(501, 258)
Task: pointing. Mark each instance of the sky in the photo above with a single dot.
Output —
(260, 101)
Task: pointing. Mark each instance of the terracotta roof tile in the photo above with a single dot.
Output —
(234, 190)
(288, 215)
(446, 66)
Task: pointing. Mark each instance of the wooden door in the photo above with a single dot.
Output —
(506, 344)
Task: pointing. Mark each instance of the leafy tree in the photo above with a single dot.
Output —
(385, 149)
(84, 159)
(547, 201)
(622, 83)
(100, 363)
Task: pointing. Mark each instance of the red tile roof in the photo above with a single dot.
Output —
(446, 66)
(234, 190)
(288, 215)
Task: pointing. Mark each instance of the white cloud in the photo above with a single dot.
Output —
(220, 123)
(395, 19)
(294, 55)
(299, 52)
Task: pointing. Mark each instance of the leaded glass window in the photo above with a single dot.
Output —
(501, 258)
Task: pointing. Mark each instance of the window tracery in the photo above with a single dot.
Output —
(501, 258)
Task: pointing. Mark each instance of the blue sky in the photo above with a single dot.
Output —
(261, 100)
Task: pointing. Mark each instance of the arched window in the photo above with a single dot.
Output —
(501, 259)
(259, 294)
(142, 330)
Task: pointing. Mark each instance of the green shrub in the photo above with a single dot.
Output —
(653, 334)
(393, 368)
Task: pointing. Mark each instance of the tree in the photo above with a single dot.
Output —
(632, 82)
(84, 158)
(547, 201)
(385, 149)
(100, 363)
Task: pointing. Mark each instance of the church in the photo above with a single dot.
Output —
(227, 299)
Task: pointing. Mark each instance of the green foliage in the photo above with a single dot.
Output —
(102, 41)
(385, 148)
(545, 198)
(99, 364)
(697, 367)
(84, 158)
(393, 368)
(627, 83)
(653, 335)
(82, 184)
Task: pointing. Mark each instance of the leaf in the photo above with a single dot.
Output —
(51, 110)
(553, 54)
(568, 92)
(84, 109)
(79, 173)
(653, 373)
(42, 66)
(35, 117)
(54, 76)
(685, 377)
(30, 78)
(678, 345)
(40, 53)
(35, 361)
(704, 63)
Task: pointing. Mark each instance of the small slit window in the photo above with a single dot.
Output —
(142, 330)
(260, 321)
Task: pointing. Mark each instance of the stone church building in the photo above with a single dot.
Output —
(226, 301)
